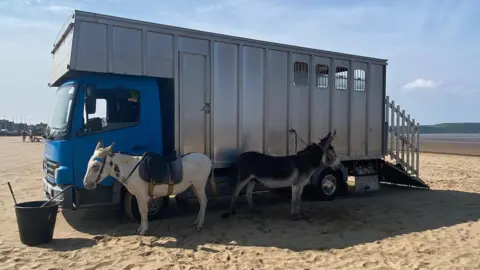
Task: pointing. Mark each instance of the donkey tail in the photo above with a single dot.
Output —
(211, 180)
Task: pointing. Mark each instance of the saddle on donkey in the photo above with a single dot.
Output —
(157, 169)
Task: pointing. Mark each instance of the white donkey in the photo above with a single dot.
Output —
(191, 170)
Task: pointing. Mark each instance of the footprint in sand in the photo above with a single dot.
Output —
(370, 264)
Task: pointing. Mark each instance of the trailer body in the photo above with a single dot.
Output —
(173, 89)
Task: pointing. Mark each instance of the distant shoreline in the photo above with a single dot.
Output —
(448, 143)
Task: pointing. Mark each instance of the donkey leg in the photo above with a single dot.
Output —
(142, 201)
(299, 202)
(293, 202)
(236, 193)
(249, 194)
(296, 206)
(202, 201)
(296, 200)
(240, 186)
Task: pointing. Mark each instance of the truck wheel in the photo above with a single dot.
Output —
(155, 210)
(329, 185)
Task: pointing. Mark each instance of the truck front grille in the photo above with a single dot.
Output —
(49, 166)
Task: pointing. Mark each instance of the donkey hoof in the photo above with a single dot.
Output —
(199, 227)
(141, 231)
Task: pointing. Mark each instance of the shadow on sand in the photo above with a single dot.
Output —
(341, 223)
(68, 244)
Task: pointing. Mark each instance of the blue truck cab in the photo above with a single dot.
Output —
(127, 110)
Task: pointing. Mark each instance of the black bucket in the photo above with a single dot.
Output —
(36, 224)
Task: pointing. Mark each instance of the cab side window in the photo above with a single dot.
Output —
(115, 109)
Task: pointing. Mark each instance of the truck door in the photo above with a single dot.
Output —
(120, 116)
(194, 108)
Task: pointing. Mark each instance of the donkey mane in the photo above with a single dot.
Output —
(307, 149)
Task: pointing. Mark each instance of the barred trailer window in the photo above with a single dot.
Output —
(300, 74)
(321, 72)
(341, 78)
(359, 80)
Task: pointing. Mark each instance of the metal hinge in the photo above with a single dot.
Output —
(206, 108)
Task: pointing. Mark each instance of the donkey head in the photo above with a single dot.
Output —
(330, 157)
(98, 167)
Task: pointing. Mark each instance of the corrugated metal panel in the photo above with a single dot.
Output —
(277, 102)
(252, 99)
(358, 111)
(375, 110)
(225, 102)
(299, 102)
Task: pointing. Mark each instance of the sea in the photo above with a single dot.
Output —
(451, 138)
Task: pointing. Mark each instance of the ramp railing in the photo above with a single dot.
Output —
(403, 138)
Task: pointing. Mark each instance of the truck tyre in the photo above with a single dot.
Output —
(329, 185)
(130, 206)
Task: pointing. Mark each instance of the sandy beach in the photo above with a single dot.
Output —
(394, 229)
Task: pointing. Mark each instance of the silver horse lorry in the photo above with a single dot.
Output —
(174, 90)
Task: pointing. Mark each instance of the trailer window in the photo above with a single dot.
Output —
(321, 72)
(341, 78)
(115, 109)
(300, 74)
(359, 80)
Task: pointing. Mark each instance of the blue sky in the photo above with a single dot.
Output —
(431, 46)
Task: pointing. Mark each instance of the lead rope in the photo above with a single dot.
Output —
(134, 167)
(296, 138)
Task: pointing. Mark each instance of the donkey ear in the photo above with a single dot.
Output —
(109, 148)
(99, 145)
(334, 134)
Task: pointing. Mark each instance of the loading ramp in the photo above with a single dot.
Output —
(402, 144)
(393, 174)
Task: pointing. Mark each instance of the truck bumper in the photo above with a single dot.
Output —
(65, 199)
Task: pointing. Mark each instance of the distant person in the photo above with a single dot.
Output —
(24, 135)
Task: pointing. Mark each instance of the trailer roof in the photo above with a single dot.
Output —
(80, 14)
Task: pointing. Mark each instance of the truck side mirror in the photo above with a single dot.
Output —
(90, 102)
(90, 105)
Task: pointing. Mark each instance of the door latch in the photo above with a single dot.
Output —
(206, 108)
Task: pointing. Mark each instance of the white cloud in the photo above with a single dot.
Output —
(422, 83)
(64, 10)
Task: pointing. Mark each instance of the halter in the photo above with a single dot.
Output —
(101, 169)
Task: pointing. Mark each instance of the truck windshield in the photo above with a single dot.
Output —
(60, 115)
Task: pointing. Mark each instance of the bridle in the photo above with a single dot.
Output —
(101, 169)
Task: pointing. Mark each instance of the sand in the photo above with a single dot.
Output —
(393, 229)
